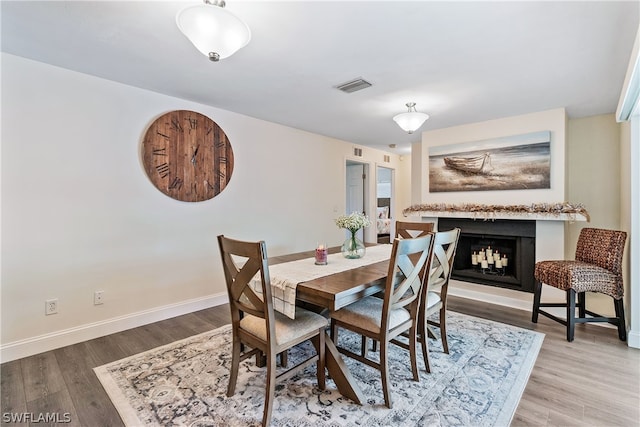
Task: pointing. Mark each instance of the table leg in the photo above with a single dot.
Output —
(339, 372)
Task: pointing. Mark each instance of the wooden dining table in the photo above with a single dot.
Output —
(332, 292)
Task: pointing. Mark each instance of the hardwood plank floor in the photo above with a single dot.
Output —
(593, 381)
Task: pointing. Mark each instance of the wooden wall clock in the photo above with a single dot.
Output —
(187, 156)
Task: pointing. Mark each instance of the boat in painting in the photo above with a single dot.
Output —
(479, 164)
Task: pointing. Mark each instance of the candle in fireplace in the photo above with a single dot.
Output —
(474, 258)
(505, 261)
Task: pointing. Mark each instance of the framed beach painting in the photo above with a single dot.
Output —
(519, 162)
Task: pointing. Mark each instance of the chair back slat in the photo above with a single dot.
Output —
(444, 252)
(410, 230)
(601, 247)
(404, 282)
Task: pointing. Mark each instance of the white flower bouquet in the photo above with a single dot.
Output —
(353, 222)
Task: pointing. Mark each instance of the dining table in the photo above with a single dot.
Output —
(330, 290)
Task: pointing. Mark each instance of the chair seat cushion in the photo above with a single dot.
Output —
(579, 276)
(367, 314)
(287, 329)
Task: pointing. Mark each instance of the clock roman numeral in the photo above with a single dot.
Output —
(221, 175)
(222, 159)
(163, 170)
(176, 183)
(175, 124)
(163, 135)
(209, 129)
(159, 152)
(220, 144)
(193, 123)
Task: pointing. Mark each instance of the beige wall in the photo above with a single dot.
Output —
(594, 175)
(79, 213)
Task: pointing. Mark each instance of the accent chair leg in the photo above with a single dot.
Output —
(537, 291)
(571, 314)
(622, 328)
(582, 298)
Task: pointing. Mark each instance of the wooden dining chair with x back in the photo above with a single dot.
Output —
(434, 298)
(256, 324)
(597, 268)
(383, 319)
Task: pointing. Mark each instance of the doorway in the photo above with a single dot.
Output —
(357, 191)
(385, 203)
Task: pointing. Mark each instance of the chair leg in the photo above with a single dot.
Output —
(270, 388)
(571, 314)
(443, 329)
(413, 350)
(363, 346)
(537, 292)
(425, 354)
(321, 361)
(235, 364)
(582, 311)
(622, 328)
(384, 372)
(284, 359)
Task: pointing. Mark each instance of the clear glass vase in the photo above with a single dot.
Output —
(353, 247)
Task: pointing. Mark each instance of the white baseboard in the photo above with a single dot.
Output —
(633, 339)
(29, 347)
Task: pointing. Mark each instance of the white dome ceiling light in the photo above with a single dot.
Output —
(213, 30)
(411, 120)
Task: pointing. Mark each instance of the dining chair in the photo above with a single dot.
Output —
(383, 319)
(404, 230)
(435, 292)
(597, 268)
(257, 325)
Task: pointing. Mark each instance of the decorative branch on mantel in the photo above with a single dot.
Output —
(488, 211)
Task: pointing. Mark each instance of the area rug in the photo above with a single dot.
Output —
(479, 383)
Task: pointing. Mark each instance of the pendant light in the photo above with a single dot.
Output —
(411, 120)
(213, 30)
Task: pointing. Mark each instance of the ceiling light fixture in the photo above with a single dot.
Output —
(214, 31)
(411, 120)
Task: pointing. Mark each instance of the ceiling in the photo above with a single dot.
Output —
(460, 62)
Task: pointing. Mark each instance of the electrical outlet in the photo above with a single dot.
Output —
(51, 306)
(98, 297)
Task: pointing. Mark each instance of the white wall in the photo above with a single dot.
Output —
(552, 120)
(594, 178)
(79, 213)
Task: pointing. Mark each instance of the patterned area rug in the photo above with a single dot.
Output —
(184, 383)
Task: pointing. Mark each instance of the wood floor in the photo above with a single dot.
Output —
(593, 381)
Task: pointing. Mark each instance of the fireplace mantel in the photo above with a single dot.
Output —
(562, 211)
(488, 216)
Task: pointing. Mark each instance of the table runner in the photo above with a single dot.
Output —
(286, 276)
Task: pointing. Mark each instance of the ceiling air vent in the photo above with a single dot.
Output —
(353, 85)
(357, 152)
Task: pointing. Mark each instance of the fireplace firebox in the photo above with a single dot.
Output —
(514, 240)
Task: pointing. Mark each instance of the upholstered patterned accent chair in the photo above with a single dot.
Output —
(383, 319)
(256, 324)
(597, 268)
